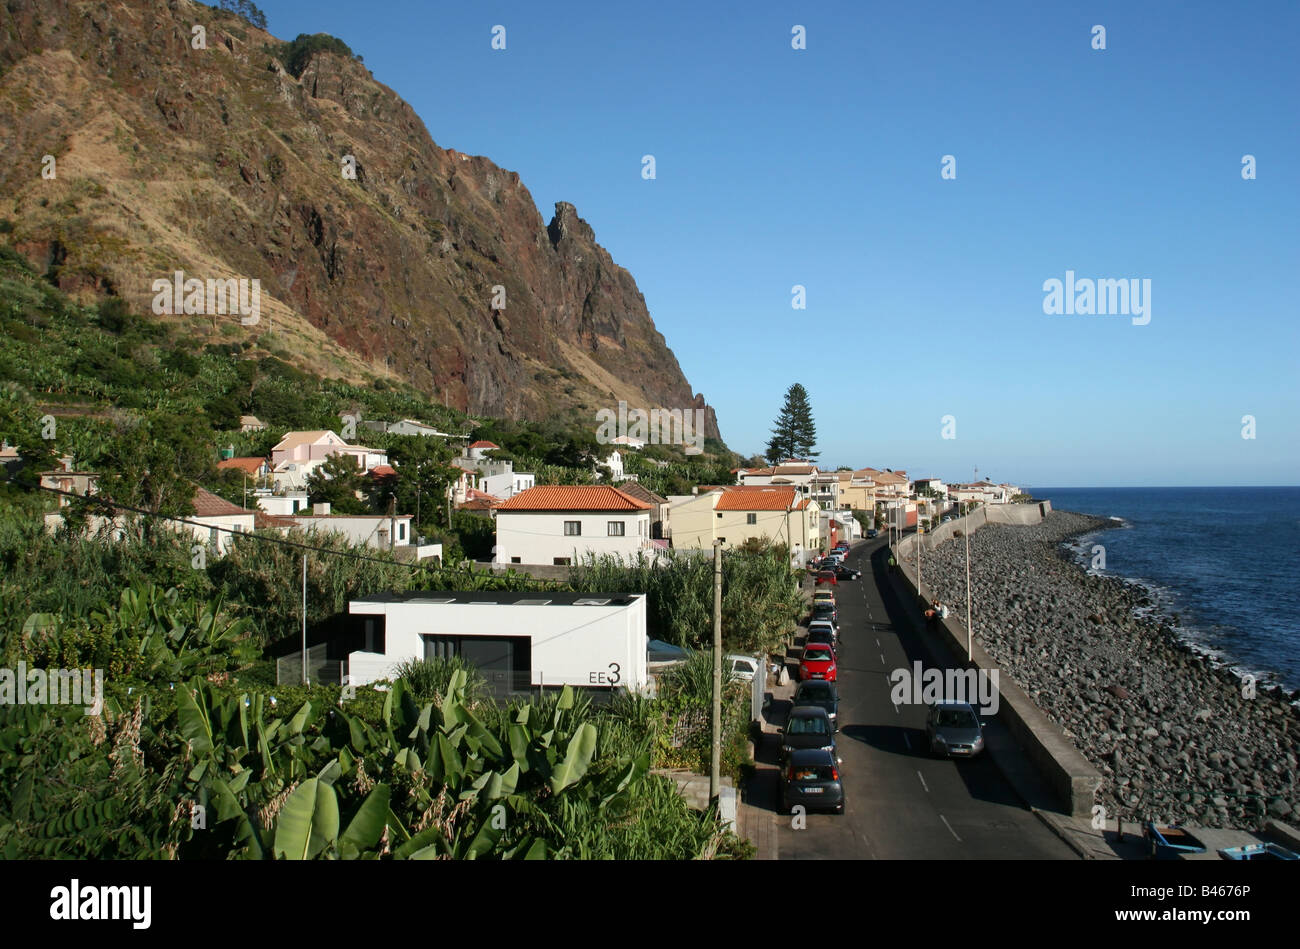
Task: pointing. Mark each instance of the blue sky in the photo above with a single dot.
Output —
(821, 167)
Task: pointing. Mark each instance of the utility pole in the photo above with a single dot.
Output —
(715, 764)
(304, 618)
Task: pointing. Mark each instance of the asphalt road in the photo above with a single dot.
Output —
(901, 803)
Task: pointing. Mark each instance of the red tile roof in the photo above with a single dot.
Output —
(483, 444)
(573, 498)
(763, 499)
(383, 471)
(207, 504)
(249, 465)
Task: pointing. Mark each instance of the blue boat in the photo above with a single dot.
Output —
(1170, 843)
(1258, 852)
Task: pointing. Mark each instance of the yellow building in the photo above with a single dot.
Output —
(738, 513)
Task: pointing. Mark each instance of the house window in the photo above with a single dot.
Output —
(561, 562)
(615, 528)
(401, 531)
(751, 518)
(515, 559)
(573, 528)
(719, 515)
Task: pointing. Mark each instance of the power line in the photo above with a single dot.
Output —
(283, 541)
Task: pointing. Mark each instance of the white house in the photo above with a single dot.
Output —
(561, 524)
(380, 531)
(290, 502)
(406, 426)
(518, 640)
(507, 484)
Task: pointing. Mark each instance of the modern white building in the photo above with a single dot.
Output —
(520, 641)
(562, 524)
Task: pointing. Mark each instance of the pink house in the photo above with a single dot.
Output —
(303, 448)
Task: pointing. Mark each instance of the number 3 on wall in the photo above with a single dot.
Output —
(616, 675)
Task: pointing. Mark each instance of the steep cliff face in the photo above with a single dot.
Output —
(218, 162)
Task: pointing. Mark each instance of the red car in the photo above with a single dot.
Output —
(817, 662)
(827, 576)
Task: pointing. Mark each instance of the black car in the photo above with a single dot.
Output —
(847, 573)
(812, 778)
(825, 612)
(872, 532)
(822, 694)
(807, 727)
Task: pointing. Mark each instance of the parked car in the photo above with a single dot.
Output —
(820, 636)
(812, 778)
(828, 577)
(817, 662)
(826, 611)
(823, 596)
(822, 694)
(954, 730)
(830, 626)
(872, 533)
(847, 573)
(807, 727)
(741, 666)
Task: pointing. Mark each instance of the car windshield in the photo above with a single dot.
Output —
(814, 692)
(816, 654)
(957, 718)
(808, 725)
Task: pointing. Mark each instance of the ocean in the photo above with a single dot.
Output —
(1226, 561)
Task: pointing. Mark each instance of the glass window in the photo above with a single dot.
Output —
(751, 518)
(616, 528)
(573, 528)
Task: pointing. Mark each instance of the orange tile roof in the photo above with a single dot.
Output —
(483, 444)
(584, 497)
(250, 465)
(764, 499)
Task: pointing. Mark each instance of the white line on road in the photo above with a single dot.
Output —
(949, 826)
(882, 658)
(923, 784)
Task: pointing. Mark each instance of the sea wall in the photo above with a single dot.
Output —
(1174, 736)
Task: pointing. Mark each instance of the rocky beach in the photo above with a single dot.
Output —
(1172, 732)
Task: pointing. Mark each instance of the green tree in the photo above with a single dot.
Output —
(336, 482)
(795, 433)
(155, 466)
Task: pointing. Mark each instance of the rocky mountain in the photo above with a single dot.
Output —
(138, 145)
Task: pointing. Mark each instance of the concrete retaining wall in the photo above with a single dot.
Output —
(1074, 781)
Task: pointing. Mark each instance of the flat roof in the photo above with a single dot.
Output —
(501, 598)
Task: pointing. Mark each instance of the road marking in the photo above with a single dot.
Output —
(882, 658)
(949, 826)
(926, 786)
(877, 642)
(896, 711)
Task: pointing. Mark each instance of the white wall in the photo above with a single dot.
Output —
(359, 529)
(537, 537)
(571, 645)
(283, 503)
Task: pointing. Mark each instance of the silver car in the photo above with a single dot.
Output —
(954, 730)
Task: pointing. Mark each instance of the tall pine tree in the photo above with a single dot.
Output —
(795, 433)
